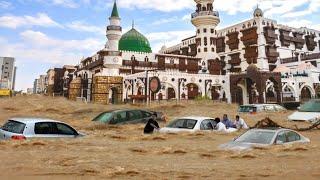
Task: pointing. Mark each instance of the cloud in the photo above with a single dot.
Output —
(165, 20)
(5, 5)
(66, 3)
(41, 19)
(38, 47)
(84, 27)
(170, 38)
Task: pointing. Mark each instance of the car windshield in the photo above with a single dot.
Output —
(104, 117)
(311, 106)
(259, 137)
(14, 127)
(247, 109)
(183, 123)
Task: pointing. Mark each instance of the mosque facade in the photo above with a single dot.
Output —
(254, 61)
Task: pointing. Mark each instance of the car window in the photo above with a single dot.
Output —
(246, 109)
(183, 123)
(259, 137)
(279, 108)
(311, 106)
(293, 136)
(120, 116)
(14, 127)
(146, 114)
(282, 137)
(269, 108)
(135, 115)
(65, 129)
(206, 125)
(104, 117)
(45, 128)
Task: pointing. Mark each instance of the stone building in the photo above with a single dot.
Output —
(254, 61)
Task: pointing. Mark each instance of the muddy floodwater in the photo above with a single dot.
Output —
(123, 152)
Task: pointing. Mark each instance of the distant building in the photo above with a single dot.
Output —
(39, 85)
(57, 80)
(7, 73)
(30, 91)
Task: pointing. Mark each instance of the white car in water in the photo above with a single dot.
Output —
(309, 111)
(264, 137)
(25, 128)
(193, 124)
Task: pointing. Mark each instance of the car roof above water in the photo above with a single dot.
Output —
(271, 129)
(32, 120)
(195, 117)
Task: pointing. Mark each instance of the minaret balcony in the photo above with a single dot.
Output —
(114, 28)
(205, 13)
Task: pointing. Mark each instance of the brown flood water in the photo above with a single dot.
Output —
(123, 152)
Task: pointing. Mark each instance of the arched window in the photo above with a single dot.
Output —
(146, 59)
(133, 58)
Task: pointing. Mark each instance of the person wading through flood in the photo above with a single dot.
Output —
(151, 125)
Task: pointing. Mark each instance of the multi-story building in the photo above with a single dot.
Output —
(7, 73)
(254, 61)
(39, 85)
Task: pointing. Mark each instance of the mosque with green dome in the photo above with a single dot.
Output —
(254, 61)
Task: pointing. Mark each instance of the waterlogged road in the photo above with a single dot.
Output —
(123, 152)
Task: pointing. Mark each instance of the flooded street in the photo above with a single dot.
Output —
(123, 152)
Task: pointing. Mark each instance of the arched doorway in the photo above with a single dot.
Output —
(193, 91)
(237, 96)
(215, 94)
(305, 94)
(271, 95)
(288, 94)
(113, 95)
(171, 93)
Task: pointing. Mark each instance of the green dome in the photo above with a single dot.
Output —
(134, 41)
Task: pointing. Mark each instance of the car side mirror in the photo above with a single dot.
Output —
(279, 142)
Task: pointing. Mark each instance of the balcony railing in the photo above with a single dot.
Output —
(115, 28)
(205, 13)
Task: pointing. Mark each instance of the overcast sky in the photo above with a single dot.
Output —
(43, 34)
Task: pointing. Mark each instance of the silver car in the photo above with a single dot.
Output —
(25, 128)
(264, 137)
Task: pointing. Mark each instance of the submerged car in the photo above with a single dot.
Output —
(309, 111)
(25, 128)
(127, 116)
(192, 124)
(264, 137)
(256, 108)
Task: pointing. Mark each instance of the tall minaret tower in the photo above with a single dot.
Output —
(111, 54)
(205, 19)
(114, 30)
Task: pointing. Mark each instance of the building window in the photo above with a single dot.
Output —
(204, 30)
(146, 59)
(198, 31)
(205, 41)
(212, 49)
(199, 50)
(205, 49)
(212, 31)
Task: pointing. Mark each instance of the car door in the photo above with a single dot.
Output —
(45, 130)
(120, 117)
(206, 125)
(281, 138)
(146, 116)
(135, 116)
(66, 131)
(293, 137)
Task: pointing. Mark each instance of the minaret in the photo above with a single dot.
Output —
(114, 30)
(205, 19)
(111, 55)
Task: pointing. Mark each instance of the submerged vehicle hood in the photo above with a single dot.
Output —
(304, 116)
(240, 146)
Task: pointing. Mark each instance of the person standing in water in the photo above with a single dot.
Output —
(151, 125)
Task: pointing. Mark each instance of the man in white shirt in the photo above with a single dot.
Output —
(240, 123)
